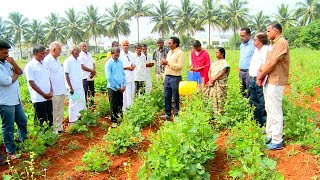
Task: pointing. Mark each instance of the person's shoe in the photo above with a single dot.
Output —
(273, 146)
(166, 117)
(61, 131)
(11, 156)
(268, 140)
(3, 160)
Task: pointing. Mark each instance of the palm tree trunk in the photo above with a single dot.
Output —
(118, 38)
(20, 46)
(188, 39)
(234, 33)
(95, 41)
(209, 38)
(138, 27)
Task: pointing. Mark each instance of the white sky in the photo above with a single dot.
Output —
(39, 9)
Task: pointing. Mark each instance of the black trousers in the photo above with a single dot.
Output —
(244, 80)
(88, 87)
(171, 91)
(140, 87)
(257, 100)
(116, 103)
(43, 113)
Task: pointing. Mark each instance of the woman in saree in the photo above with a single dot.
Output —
(217, 84)
(200, 62)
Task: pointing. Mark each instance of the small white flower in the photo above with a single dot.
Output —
(124, 164)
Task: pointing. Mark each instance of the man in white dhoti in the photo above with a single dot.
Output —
(72, 70)
(128, 61)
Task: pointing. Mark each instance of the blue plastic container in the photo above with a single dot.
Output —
(194, 76)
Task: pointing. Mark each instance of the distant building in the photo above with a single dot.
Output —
(216, 40)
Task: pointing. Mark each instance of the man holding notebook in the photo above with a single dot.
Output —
(276, 69)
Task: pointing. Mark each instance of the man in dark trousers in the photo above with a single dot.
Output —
(174, 64)
(11, 109)
(116, 84)
(246, 53)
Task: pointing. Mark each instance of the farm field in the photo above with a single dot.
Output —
(186, 147)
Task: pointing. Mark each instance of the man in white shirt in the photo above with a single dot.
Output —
(128, 61)
(52, 63)
(39, 85)
(149, 64)
(72, 70)
(140, 70)
(88, 72)
(256, 96)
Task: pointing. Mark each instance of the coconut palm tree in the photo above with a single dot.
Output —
(259, 22)
(72, 26)
(17, 25)
(284, 16)
(93, 24)
(308, 11)
(210, 14)
(53, 28)
(35, 33)
(162, 16)
(5, 35)
(235, 15)
(116, 22)
(186, 16)
(136, 9)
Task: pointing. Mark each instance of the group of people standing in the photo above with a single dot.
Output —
(48, 83)
(263, 74)
(129, 74)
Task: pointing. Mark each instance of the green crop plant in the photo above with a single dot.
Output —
(121, 137)
(180, 148)
(95, 159)
(246, 150)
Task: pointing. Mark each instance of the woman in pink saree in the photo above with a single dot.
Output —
(200, 62)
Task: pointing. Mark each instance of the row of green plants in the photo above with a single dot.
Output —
(128, 134)
(40, 138)
(300, 127)
(180, 148)
(304, 72)
(246, 152)
(142, 113)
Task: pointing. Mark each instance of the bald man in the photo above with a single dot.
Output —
(128, 61)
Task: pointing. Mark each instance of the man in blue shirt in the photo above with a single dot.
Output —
(246, 53)
(116, 84)
(11, 109)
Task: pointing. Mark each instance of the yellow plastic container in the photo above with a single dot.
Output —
(187, 87)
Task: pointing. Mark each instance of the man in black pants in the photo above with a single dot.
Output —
(116, 84)
(88, 72)
(40, 88)
(174, 64)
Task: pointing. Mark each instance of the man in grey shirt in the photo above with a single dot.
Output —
(158, 54)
